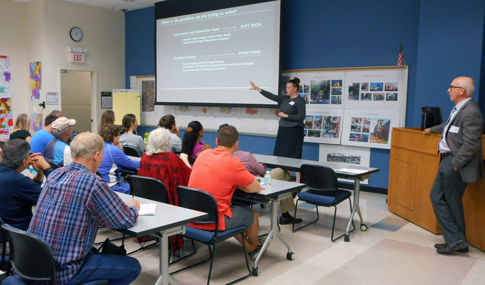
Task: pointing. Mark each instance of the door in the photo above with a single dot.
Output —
(76, 98)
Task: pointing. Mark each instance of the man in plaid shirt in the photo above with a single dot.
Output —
(70, 208)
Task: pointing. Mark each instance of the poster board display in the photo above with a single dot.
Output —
(369, 128)
(126, 101)
(326, 92)
(345, 155)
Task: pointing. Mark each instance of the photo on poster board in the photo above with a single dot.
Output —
(321, 90)
(345, 155)
(383, 89)
(5, 77)
(369, 128)
(324, 126)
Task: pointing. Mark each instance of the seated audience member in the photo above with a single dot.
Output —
(286, 205)
(157, 162)
(129, 139)
(163, 165)
(19, 193)
(42, 137)
(217, 172)
(259, 169)
(108, 117)
(191, 144)
(57, 151)
(168, 122)
(59, 114)
(21, 130)
(73, 203)
(114, 159)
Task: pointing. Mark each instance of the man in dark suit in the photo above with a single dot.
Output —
(460, 148)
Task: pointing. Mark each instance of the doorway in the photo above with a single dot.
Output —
(76, 89)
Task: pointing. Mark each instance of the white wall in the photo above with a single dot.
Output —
(39, 31)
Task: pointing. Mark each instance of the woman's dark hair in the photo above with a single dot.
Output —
(128, 119)
(167, 122)
(295, 81)
(190, 137)
(108, 117)
(107, 132)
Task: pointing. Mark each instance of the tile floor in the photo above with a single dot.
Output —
(391, 251)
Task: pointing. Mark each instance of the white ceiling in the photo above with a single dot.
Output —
(127, 5)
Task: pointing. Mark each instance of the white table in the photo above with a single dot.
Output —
(275, 192)
(294, 164)
(169, 220)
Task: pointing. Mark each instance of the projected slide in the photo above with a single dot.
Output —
(210, 57)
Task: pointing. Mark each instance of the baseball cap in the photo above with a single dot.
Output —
(63, 122)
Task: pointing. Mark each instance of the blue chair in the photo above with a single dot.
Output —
(204, 202)
(323, 190)
(31, 258)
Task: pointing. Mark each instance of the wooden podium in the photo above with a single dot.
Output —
(413, 167)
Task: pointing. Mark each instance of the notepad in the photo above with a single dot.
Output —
(147, 209)
(353, 171)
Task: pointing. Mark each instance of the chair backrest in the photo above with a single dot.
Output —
(318, 177)
(198, 200)
(130, 151)
(3, 243)
(30, 256)
(149, 188)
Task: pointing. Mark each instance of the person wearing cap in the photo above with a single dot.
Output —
(57, 151)
(42, 137)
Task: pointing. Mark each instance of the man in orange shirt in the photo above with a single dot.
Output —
(217, 172)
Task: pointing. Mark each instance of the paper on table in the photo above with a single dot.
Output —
(349, 170)
(147, 209)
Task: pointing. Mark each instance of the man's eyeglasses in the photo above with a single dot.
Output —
(451, 87)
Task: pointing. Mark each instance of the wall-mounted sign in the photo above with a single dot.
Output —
(106, 100)
(52, 98)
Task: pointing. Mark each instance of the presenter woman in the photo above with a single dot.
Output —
(289, 140)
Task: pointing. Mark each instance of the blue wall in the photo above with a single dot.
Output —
(441, 40)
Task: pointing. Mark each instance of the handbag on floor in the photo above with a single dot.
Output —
(110, 248)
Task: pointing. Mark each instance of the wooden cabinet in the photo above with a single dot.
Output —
(413, 167)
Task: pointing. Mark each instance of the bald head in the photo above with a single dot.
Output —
(467, 84)
(86, 144)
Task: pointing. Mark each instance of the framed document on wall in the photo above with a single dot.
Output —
(106, 100)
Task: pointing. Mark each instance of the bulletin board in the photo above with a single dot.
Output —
(333, 96)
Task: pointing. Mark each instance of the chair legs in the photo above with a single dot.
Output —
(296, 207)
(212, 250)
(335, 215)
(318, 216)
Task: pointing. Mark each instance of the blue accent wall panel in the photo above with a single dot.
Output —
(449, 45)
(139, 43)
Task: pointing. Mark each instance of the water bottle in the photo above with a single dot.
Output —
(267, 178)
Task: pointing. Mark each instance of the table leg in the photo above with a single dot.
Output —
(274, 232)
(165, 278)
(356, 208)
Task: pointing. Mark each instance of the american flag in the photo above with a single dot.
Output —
(400, 59)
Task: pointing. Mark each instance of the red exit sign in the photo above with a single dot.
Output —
(77, 57)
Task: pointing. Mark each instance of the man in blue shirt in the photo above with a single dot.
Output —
(41, 138)
(19, 193)
(57, 151)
